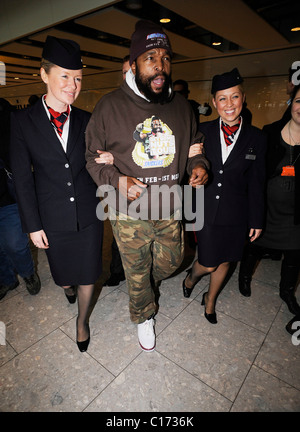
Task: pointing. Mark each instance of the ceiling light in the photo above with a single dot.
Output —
(295, 29)
(216, 40)
(165, 20)
(17, 78)
(164, 15)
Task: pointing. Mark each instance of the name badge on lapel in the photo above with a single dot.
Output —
(250, 155)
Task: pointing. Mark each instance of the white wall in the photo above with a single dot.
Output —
(39, 14)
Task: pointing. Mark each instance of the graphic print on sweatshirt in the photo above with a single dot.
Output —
(155, 144)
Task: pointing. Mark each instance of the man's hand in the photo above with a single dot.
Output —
(131, 188)
(199, 176)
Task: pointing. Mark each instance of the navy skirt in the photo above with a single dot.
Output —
(218, 244)
(75, 257)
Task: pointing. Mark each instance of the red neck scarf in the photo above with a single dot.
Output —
(58, 119)
(229, 131)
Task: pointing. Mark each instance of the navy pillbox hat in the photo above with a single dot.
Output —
(147, 35)
(226, 80)
(62, 52)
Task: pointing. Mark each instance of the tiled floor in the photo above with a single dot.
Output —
(247, 362)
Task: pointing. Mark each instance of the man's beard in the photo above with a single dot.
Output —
(144, 86)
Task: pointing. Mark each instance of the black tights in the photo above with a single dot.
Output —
(84, 297)
(217, 277)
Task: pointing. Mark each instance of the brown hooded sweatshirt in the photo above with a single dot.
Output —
(149, 141)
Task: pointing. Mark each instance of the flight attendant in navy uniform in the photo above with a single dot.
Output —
(56, 195)
(234, 195)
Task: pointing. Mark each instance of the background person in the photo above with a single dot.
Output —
(234, 194)
(289, 91)
(32, 100)
(125, 66)
(56, 195)
(282, 226)
(15, 255)
(246, 113)
(181, 86)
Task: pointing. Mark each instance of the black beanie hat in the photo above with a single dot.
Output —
(226, 80)
(62, 52)
(147, 35)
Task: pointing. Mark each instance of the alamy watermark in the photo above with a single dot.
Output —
(2, 333)
(296, 335)
(2, 73)
(156, 202)
(296, 75)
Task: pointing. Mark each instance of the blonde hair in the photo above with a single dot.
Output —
(46, 65)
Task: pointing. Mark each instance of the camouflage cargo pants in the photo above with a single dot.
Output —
(150, 250)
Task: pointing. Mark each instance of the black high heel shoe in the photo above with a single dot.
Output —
(212, 318)
(187, 291)
(83, 346)
(71, 298)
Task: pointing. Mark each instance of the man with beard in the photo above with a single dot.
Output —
(151, 245)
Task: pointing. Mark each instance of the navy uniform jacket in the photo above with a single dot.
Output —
(54, 190)
(234, 194)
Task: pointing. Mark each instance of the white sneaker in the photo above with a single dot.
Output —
(146, 335)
